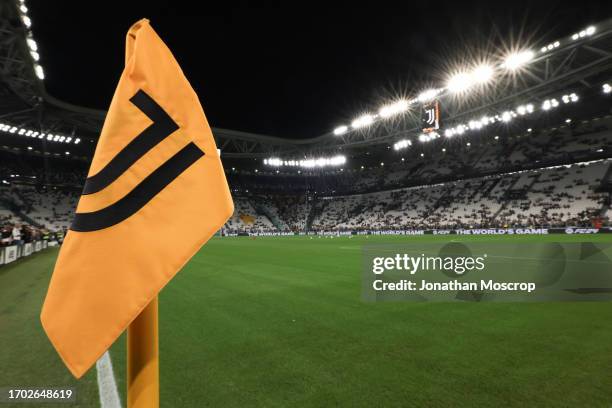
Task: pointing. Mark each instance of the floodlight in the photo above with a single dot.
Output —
(39, 71)
(516, 60)
(460, 82)
(362, 121)
(482, 73)
(32, 44)
(340, 130)
(428, 95)
(393, 109)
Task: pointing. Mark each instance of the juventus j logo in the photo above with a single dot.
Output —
(431, 116)
(162, 127)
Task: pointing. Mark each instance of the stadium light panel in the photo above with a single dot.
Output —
(584, 33)
(473, 125)
(26, 21)
(428, 95)
(32, 44)
(516, 60)
(362, 121)
(340, 130)
(307, 163)
(482, 74)
(460, 82)
(606, 88)
(393, 109)
(402, 144)
(39, 71)
(506, 116)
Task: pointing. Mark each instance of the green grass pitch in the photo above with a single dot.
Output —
(279, 322)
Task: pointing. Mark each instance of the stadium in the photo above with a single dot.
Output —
(512, 147)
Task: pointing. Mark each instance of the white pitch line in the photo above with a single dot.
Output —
(107, 386)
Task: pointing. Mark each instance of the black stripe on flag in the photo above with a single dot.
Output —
(162, 127)
(140, 195)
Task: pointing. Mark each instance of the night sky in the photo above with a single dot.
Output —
(292, 71)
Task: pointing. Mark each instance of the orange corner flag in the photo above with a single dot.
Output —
(155, 193)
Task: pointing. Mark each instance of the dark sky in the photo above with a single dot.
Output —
(294, 70)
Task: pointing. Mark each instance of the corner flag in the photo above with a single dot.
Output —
(155, 193)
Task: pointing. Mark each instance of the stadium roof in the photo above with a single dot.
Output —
(535, 73)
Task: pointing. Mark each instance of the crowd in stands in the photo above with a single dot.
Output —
(19, 233)
(570, 195)
(516, 182)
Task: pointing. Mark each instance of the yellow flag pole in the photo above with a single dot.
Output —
(143, 359)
